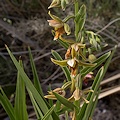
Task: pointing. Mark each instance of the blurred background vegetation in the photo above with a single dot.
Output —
(23, 23)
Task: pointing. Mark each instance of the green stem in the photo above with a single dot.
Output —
(76, 11)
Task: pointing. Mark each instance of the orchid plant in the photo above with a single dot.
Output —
(78, 65)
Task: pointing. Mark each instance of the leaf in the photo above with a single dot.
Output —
(69, 41)
(57, 106)
(63, 109)
(35, 75)
(66, 85)
(64, 44)
(94, 103)
(64, 101)
(81, 63)
(41, 102)
(81, 17)
(7, 105)
(96, 82)
(95, 87)
(20, 98)
(65, 69)
(99, 61)
(47, 115)
(38, 112)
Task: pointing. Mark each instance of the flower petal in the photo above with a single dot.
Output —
(62, 63)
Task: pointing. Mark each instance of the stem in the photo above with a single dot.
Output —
(76, 11)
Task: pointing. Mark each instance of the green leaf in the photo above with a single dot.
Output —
(38, 112)
(65, 69)
(66, 85)
(106, 65)
(99, 61)
(20, 102)
(95, 87)
(35, 75)
(96, 83)
(68, 41)
(40, 100)
(64, 101)
(81, 63)
(47, 115)
(94, 103)
(64, 44)
(63, 109)
(57, 105)
(81, 17)
(4, 101)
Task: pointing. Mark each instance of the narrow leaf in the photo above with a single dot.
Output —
(95, 87)
(47, 115)
(37, 109)
(99, 61)
(35, 75)
(64, 101)
(94, 103)
(63, 44)
(41, 102)
(69, 41)
(4, 101)
(20, 98)
(81, 63)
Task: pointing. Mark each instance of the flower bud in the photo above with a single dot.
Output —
(91, 58)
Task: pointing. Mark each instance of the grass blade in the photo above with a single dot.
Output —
(20, 102)
(35, 105)
(29, 85)
(46, 116)
(64, 101)
(35, 75)
(7, 105)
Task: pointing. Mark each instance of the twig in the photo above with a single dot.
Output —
(44, 55)
(109, 92)
(110, 79)
(110, 23)
(12, 30)
(46, 80)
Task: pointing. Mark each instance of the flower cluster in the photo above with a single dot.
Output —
(76, 57)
